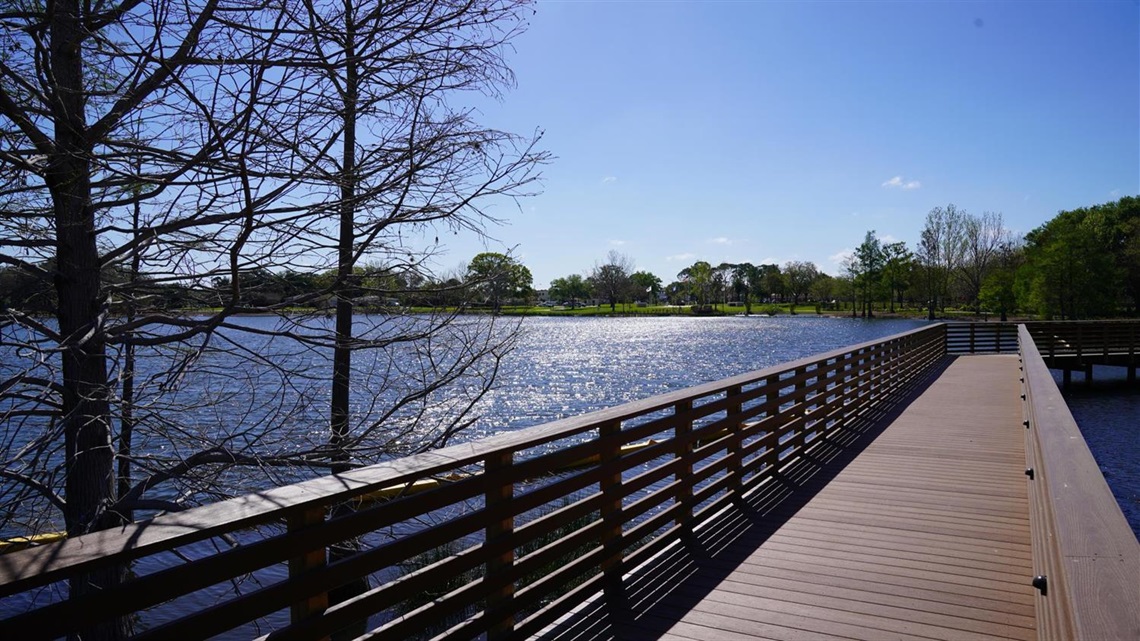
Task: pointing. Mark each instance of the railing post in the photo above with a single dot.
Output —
(973, 334)
(1131, 352)
(684, 475)
(500, 525)
(309, 560)
(609, 435)
(735, 443)
(1080, 344)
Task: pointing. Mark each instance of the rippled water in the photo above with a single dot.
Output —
(1108, 413)
(568, 366)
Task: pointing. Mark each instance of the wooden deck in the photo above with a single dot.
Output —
(918, 531)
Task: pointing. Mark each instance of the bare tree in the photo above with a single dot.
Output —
(165, 148)
(404, 156)
(982, 240)
(611, 280)
(940, 252)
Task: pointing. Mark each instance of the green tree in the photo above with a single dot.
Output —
(747, 283)
(698, 279)
(772, 284)
(799, 276)
(1071, 271)
(871, 261)
(572, 289)
(498, 277)
(999, 290)
(897, 270)
(647, 286)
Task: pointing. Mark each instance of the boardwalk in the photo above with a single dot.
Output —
(924, 534)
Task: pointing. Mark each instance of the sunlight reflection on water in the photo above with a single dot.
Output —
(569, 366)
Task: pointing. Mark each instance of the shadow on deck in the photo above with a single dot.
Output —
(857, 539)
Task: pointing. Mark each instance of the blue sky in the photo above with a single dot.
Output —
(777, 131)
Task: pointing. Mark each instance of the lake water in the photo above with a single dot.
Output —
(1108, 413)
(569, 366)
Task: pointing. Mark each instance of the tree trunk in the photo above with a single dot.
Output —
(89, 460)
(342, 353)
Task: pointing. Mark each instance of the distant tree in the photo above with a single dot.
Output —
(678, 292)
(897, 269)
(1071, 271)
(572, 289)
(698, 277)
(982, 239)
(722, 282)
(798, 278)
(823, 290)
(772, 282)
(851, 269)
(646, 286)
(940, 252)
(611, 280)
(498, 277)
(999, 291)
(746, 283)
(871, 260)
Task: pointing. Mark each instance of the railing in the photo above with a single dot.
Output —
(1086, 342)
(981, 338)
(515, 546)
(1085, 554)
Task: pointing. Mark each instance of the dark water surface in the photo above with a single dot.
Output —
(1108, 413)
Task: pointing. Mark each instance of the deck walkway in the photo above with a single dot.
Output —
(921, 531)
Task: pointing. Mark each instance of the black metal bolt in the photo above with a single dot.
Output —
(1025, 423)
(1029, 473)
(1041, 582)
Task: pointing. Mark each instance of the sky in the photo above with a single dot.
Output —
(775, 131)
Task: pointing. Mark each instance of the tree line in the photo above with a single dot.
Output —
(1083, 263)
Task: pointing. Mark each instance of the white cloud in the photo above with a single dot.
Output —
(719, 240)
(838, 257)
(1115, 193)
(898, 182)
(609, 179)
(684, 256)
(887, 238)
(618, 243)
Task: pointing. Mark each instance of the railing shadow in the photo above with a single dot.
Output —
(654, 597)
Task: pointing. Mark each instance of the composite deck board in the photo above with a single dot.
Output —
(922, 535)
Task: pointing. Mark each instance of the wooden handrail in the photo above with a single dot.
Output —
(1086, 556)
(516, 545)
